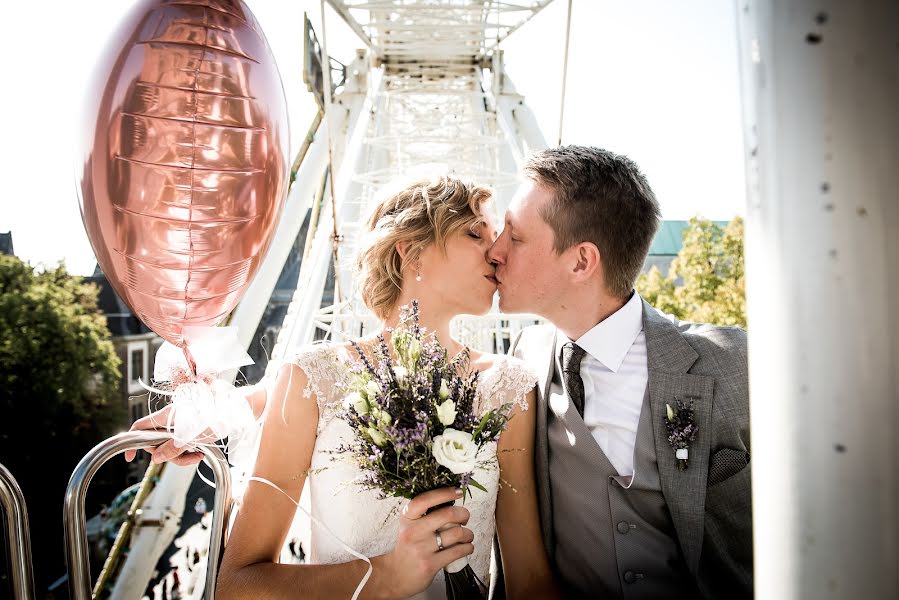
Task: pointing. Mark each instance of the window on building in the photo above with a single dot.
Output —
(137, 365)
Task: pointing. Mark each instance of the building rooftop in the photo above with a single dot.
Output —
(670, 236)
(119, 318)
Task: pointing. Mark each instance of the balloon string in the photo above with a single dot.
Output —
(331, 533)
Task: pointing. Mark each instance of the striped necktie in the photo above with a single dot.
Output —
(571, 374)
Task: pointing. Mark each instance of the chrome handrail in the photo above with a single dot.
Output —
(13, 503)
(74, 515)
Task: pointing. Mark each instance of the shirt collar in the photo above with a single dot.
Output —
(610, 340)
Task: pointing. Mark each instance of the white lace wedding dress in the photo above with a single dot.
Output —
(358, 517)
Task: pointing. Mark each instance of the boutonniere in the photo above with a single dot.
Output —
(681, 429)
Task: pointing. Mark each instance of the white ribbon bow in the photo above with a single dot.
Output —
(204, 401)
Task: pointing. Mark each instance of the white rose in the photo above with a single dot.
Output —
(446, 412)
(444, 390)
(456, 451)
(400, 373)
(372, 389)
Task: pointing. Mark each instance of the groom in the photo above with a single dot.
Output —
(620, 519)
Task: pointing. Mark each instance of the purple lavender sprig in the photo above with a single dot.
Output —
(681, 429)
(404, 437)
(411, 316)
(362, 356)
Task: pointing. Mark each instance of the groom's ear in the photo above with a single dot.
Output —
(587, 261)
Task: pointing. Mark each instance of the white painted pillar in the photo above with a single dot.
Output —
(821, 93)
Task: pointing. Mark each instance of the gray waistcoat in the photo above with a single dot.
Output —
(614, 537)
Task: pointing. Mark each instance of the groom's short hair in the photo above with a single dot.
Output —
(603, 198)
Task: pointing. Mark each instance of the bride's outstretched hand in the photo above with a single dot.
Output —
(421, 552)
(167, 451)
(256, 397)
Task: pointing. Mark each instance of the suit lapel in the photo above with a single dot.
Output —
(546, 379)
(669, 357)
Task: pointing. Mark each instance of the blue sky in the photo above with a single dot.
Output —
(656, 80)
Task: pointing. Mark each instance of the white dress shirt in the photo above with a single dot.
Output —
(615, 375)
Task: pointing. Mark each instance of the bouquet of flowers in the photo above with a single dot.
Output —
(414, 423)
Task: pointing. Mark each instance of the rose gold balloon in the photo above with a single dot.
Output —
(184, 160)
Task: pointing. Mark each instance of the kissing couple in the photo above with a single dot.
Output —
(634, 480)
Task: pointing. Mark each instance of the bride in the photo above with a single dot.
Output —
(426, 242)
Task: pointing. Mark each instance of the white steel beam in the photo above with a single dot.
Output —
(150, 539)
(249, 311)
(821, 93)
(298, 325)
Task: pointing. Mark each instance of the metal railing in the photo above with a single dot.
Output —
(13, 503)
(74, 516)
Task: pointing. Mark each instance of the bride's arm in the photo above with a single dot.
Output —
(249, 567)
(526, 569)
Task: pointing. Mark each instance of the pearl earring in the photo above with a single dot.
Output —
(417, 275)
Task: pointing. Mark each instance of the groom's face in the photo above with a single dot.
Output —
(529, 271)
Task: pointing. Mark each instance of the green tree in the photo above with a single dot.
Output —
(59, 381)
(706, 281)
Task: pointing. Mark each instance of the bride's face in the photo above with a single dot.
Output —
(460, 279)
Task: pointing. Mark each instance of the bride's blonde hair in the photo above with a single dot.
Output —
(426, 212)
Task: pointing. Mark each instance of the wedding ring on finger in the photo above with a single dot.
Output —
(439, 541)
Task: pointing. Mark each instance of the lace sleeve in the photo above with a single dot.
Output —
(509, 381)
(312, 360)
(322, 366)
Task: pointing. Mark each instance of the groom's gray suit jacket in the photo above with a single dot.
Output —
(709, 503)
